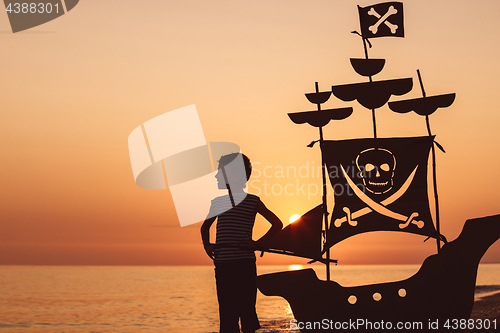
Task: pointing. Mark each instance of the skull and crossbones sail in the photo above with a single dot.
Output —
(378, 184)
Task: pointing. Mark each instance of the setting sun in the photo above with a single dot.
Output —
(295, 267)
(294, 217)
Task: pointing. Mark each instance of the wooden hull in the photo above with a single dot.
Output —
(442, 289)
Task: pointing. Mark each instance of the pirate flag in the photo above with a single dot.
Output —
(378, 184)
(381, 20)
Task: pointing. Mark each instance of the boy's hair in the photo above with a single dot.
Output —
(226, 159)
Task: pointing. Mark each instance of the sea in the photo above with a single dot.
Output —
(174, 299)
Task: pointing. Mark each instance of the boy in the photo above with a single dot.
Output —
(235, 270)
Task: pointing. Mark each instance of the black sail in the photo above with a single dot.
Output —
(302, 237)
(378, 184)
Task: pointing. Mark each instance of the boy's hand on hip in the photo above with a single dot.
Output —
(210, 250)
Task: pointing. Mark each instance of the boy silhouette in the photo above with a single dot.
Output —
(233, 254)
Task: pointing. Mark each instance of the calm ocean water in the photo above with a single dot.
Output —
(153, 298)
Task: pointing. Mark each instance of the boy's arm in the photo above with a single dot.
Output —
(205, 236)
(276, 224)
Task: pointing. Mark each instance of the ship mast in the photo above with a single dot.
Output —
(374, 121)
(320, 118)
(325, 208)
(425, 106)
(434, 175)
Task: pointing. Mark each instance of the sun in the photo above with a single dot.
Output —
(294, 217)
(295, 267)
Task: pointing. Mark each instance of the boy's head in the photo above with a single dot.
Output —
(237, 169)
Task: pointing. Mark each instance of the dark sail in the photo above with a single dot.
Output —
(423, 106)
(320, 118)
(302, 237)
(372, 95)
(379, 184)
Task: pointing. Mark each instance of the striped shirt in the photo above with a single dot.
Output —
(234, 225)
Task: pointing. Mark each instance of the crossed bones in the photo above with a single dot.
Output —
(383, 19)
(378, 207)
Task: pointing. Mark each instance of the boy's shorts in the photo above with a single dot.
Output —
(237, 292)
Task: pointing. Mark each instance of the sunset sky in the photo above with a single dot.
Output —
(74, 88)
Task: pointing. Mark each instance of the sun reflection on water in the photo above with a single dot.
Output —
(288, 310)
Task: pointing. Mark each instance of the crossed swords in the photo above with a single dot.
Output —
(383, 19)
(379, 207)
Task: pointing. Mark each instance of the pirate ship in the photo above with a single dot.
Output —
(378, 184)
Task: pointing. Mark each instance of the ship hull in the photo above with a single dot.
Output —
(442, 289)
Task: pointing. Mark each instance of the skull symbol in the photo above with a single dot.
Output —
(376, 167)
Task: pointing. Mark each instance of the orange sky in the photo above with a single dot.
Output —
(73, 89)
